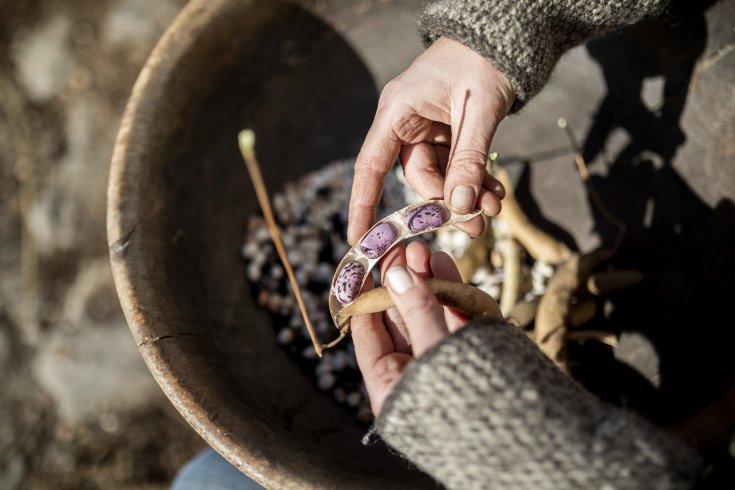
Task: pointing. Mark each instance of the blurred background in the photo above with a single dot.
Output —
(78, 407)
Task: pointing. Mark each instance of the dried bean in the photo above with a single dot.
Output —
(348, 282)
(378, 240)
(425, 217)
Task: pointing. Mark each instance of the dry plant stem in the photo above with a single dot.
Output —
(456, 295)
(524, 312)
(598, 335)
(554, 307)
(246, 139)
(582, 312)
(477, 253)
(608, 282)
(512, 278)
(584, 173)
(539, 244)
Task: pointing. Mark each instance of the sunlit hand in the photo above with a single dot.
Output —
(385, 344)
(449, 96)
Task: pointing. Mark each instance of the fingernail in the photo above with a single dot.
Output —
(399, 280)
(499, 190)
(463, 198)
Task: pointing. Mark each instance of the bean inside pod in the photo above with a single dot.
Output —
(358, 262)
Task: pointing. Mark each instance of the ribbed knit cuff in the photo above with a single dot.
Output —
(524, 39)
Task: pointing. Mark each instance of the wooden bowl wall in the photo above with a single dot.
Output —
(178, 201)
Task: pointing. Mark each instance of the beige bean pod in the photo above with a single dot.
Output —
(358, 262)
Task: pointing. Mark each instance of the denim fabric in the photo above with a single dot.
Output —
(210, 471)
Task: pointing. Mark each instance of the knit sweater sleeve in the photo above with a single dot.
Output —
(486, 409)
(525, 38)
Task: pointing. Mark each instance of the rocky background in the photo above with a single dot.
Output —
(78, 407)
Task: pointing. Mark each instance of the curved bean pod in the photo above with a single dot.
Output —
(422, 217)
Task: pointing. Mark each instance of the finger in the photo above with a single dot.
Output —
(394, 256)
(375, 351)
(473, 227)
(493, 185)
(415, 303)
(372, 340)
(369, 332)
(418, 256)
(442, 157)
(489, 203)
(473, 128)
(489, 183)
(376, 157)
(380, 365)
(397, 330)
(420, 166)
(440, 134)
(490, 195)
(393, 321)
(423, 165)
(443, 267)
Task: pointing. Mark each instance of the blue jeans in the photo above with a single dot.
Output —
(210, 471)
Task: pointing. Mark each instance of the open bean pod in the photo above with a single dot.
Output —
(353, 270)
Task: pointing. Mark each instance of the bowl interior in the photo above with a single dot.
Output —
(179, 199)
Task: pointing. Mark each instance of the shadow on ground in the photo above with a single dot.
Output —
(680, 240)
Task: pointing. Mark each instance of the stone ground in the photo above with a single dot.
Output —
(79, 408)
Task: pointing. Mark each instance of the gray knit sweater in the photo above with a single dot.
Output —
(525, 38)
(485, 409)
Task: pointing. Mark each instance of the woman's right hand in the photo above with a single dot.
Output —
(439, 117)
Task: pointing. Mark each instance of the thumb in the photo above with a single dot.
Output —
(473, 126)
(420, 310)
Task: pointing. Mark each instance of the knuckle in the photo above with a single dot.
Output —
(469, 161)
(387, 95)
(388, 370)
(419, 305)
(358, 207)
(374, 170)
(408, 126)
(368, 171)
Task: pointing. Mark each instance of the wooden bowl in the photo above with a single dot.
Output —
(178, 200)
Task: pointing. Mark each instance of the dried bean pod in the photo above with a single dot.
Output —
(459, 296)
(612, 281)
(357, 263)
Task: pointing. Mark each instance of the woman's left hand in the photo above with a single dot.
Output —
(385, 343)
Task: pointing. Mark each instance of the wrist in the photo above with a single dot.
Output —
(483, 67)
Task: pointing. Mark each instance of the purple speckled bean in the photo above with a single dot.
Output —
(378, 240)
(348, 282)
(425, 217)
